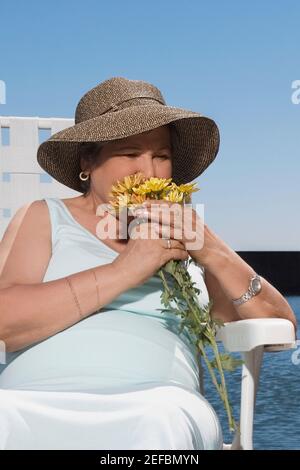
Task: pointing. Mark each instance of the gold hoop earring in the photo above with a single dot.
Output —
(83, 176)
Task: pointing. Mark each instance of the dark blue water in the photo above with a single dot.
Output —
(277, 412)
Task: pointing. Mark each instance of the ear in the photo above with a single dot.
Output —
(85, 164)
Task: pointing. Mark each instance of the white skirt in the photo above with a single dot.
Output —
(116, 380)
(156, 416)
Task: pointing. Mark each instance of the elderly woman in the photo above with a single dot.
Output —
(91, 361)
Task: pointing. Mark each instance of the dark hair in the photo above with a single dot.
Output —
(90, 152)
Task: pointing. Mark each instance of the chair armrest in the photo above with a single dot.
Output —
(252, 337)
(275, 334)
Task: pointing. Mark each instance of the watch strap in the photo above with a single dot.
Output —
(248, 294)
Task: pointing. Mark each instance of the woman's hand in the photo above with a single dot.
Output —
(146, 252)
(182, 223)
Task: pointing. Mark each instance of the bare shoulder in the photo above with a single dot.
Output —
(25, 249)
(34, 212)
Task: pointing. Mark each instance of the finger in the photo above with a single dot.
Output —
(159, 202)
(174, 244)
(165, 231)
(171, 210)
(175, 253)
(165, 215)
(143, 228)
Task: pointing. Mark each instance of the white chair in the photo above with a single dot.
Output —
(252, 338)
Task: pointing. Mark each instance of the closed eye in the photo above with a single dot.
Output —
(136, 155)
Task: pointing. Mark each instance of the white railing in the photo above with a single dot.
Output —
(22, 180)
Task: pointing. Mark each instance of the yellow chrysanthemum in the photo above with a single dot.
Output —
(187, 188)
(135, 189)
(120, 201)
(127, 184)
(152, 185)
(141, 190)
(138, 198)
(173, 196)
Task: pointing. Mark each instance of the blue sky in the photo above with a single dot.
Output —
(233, 61)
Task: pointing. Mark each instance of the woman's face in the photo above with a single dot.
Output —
(148, 153)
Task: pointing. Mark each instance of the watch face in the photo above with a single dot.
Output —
(256, 285)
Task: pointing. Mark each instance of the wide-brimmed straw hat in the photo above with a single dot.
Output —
(118, 108)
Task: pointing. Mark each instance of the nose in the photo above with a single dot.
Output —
(146, 165)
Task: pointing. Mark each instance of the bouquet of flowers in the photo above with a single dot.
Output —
(181, 297)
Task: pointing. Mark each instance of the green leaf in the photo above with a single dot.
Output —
(170, 267)
(229, 362)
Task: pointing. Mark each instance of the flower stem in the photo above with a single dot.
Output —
(197, 314)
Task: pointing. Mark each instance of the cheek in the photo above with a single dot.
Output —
(112, 171)
(164, 169)
(122, 169)
(118, 166)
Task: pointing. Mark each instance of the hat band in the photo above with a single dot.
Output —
(137, 100)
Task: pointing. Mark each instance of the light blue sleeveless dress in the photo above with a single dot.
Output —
(122, 378)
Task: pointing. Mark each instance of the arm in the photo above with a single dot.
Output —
(227, 277)
(30, 313)
(10, 235)
(32, 310)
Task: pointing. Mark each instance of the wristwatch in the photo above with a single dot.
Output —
(254, 289)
